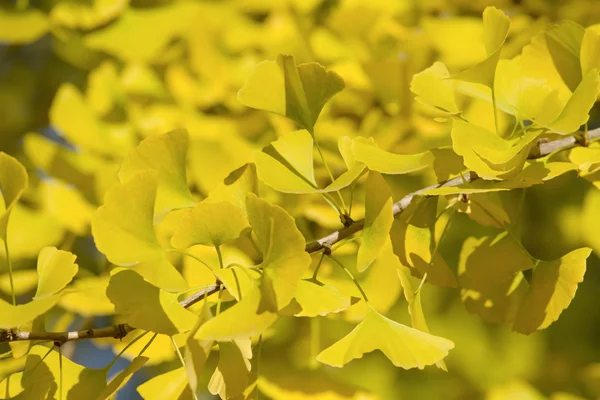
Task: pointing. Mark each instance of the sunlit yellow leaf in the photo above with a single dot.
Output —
(151, 308)
(236, 280)
(87, 297)
(378, 220)
(141, 80)
(170, 385)
(495, 31)
(67, 205)
(121, 379)
(433, 88)
(123, 230)
(405, 347)
(23, 280)
(55, 270)
(514, 390)
(22, 27)
(563, 41)
(234, 188)
(86, 16)
(197, 351)
(165, 154)
(210, 224)
(13, 316)
(590, 51)
(385, 162)
(551, 290)
(241, 321)
(298, 92)
(13, 181)
(231, 376)
(313, 300)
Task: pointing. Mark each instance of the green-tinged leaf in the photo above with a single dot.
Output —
(86, 16)
(378, 220)
(121, 379)
(123, 230)
(210, 224)
(13, 181)
(23, 280)
(56, 268)
(282, 245)
(44, 377)
(551, 290)
(22, 27)
(151, 308)
(297, 92)
(165, 154)
(495, 31)
(433, 88)
(379, 160)
(170, 385)
(240, 321)
(14, 316)
(405, 347)
(231, 377)
(490, 156)
(514, 390)
(236, 280)
(197, 351)
(312, 300)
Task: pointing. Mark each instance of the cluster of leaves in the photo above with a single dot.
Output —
(228, 205)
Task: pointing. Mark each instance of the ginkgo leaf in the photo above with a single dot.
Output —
(282, 245)
(210, 224)
(165, 154)
(151, 308)
(487, 153)
(563, 41)
(45, 370)
(23, 281)
(385, 162)
(590, 51)
(67, 205)
(240, 321)
(86, 16)
(170, 385)
(236, 280)
(551, 290)
(405, 347)
(121, 379)
(22, 27)
(56, 268)
(297, 92)
(378, 220)
(313, 300)
(123, 231)
(14, 316)
(433, 88)
(234, 188)
(87, 297)
(197, 351)
(13, 181)
(495, 31)
(231, 377)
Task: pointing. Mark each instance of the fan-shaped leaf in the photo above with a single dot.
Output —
(433, 88)
(56, 268)
(313, 299)
(385, 162)
(13, 181)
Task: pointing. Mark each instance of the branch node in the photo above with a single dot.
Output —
(326, 248)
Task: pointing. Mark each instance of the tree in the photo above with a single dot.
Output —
(295, 234)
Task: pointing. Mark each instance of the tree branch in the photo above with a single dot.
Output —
(116, 331)
(541, 149)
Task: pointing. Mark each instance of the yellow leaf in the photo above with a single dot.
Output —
(313, 300)
(123, 230)
(86, 16)
(231, 376)
(590, 51)
(165, 154)
(87, 297)
(385, 162)
(121, 379)
(563, 41)
(22, 27)
(56, 268)
(67, 205)
(23, 280)
(284, 260)
(170, 385)
(236, 280)
(240, 321)
(234, 188)
(495, 31)
(151, 309)
(378, 220)
(551, 290)
(210, 224)
(297, 91)
(405, 347)
(14, 316)
(433, 88)
(13, 181)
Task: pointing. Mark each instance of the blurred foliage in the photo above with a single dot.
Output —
(83, 82)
